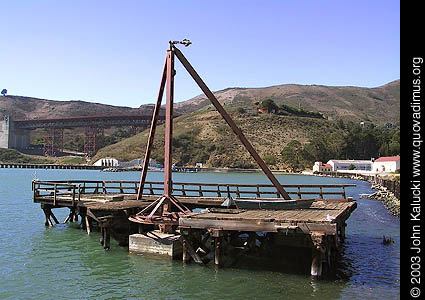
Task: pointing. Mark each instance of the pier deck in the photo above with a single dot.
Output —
(107, 206)
(324, 216)
(117, 202)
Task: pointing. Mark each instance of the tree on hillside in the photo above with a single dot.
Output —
(4, 92)
(269, 106)
(291, 154)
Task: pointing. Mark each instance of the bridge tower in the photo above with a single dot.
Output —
(53, 141)
(91, 133)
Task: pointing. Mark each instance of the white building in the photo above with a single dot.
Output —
(387, 164)
(351, 164)
(321, 167)
(107, 162)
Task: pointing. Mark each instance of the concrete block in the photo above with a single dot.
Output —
(155, 242)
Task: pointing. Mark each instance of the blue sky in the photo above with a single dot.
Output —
(113, 52)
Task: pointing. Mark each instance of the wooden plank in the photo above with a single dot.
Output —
(258, 226)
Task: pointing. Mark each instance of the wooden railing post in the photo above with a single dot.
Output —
(54, 194)
(73, 195)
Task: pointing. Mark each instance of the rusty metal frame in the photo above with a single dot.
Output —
(154, 121)
(160, 211)
(168, 184)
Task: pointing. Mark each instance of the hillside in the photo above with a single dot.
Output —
(20, 107)
(200, 134)
(203, 136)
(350, 103)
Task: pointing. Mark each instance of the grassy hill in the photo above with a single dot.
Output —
(203, 136)
(350, 103)
(200, 134)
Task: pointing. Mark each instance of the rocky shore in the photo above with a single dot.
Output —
(382, 193)
(386, 197)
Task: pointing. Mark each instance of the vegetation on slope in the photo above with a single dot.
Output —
(351, 141)
(270, 106)
(13, 156)
(334, 102)
(282, 141)
(308, 114)
(203, 136)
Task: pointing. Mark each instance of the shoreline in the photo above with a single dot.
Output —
(383, 194)
(391, 202)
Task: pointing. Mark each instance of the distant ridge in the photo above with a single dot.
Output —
(348, 102)
(21, 107)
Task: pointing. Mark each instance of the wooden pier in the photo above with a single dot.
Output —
(133, 211)
(106, 206)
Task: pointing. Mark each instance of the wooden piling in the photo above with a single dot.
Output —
(316, 263)
(48, 221)
(218, 246)
(107, 239)
(102, 236)
(185, 252)
(88, 224)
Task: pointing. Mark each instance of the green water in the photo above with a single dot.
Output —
(64, 263)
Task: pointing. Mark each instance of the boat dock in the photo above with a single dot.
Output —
(106, 206)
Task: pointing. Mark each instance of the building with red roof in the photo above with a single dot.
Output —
(387, 164)
(321, 167)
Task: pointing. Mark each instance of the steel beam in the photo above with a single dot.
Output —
(154, 121)
(230, 122)
(168, 185)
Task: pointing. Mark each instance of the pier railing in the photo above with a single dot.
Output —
(56, 189)
(187, 189)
